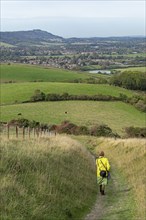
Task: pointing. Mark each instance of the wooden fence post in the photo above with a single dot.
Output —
(23, 132)
(37, 132)
(29, 132)
(16, 131)
(8, 129)
(34, 132)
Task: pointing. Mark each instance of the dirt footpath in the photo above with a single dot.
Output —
(97, 210)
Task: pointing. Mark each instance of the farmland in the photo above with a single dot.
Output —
(50, 176)
(25, 73)
(141, 69)
(117, 115)
(18, 92)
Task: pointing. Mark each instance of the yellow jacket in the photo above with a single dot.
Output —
(100, 166)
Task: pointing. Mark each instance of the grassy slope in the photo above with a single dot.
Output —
(2, 44)
(46, 179)
(27, 73)
(115, 114)
(23, 91)
(126, 190)
(142, 69)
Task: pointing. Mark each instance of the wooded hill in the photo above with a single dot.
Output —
(40, 37)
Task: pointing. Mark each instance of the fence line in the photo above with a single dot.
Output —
(24, 132)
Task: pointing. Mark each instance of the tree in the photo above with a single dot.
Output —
(38, 96)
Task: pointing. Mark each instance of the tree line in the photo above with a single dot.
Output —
(130, 80)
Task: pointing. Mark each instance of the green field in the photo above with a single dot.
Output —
(116, 115)
(135, 55)
(2, 44)
(142, 69)
(28, 73)
(10, 93)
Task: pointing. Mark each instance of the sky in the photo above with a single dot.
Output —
(76, 18)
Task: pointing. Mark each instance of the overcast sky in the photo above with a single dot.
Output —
(75, 18)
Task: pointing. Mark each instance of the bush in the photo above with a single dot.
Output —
(67, 127)
(38, 96)
(53, 97)
(135, 132)
(139, 102)
(102, 130)
(140, 105)
(82, 130)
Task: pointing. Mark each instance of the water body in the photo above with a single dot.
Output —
(100, 71)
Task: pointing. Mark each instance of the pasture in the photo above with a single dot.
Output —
(18, 92)
(28, 73)
(116, 115)
(141, 69)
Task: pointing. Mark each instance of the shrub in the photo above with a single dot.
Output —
(67, 127)
(132, 132)
(53, 97)
(23, 122)
(139, 102)
(82, 130)
(38, 96)
(140, 105)
(102, 130)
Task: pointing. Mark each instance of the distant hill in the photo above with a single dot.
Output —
(28, 37)
(39, 37)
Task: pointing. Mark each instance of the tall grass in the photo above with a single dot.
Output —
(48, 178)
(128, 157)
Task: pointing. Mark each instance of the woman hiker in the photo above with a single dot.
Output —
(103, 168)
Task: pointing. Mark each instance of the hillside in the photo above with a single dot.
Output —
(46, 179)
(18, 92)
(33, 36)
(116, 115)
(33, 73)
(39, 37)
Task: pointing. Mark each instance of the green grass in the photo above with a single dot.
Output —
(23, 91)
(116, 115)
(142, 69)
(27, 73)
(2, 44)
(135, 55)
(91, 67)
(46, 179)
